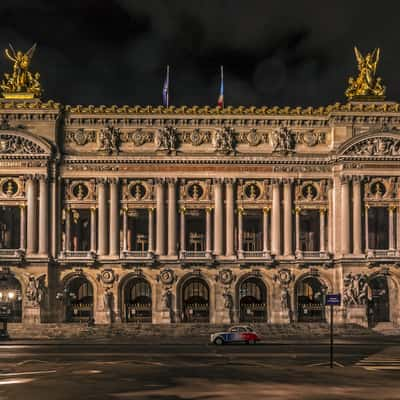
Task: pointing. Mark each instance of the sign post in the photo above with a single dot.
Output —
(332, 300)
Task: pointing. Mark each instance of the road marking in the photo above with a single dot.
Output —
(388, 359)
(28, 373)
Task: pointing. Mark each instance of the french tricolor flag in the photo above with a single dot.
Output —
(220, 102)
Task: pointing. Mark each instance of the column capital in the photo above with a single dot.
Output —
(43, 178)
(159, 181)
(151, 209)
(182, 210)
(392, 207)
(240, 210)
(218, 181)
(230, 181)
(113, 181)
(297, 210)
(93, 208)
(323, 210)
(276, 181)
(287, 181)
(102, 181)
(266, 210)
(171, 181)
(209, 209)
(344, 179)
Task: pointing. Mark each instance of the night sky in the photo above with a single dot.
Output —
(283, 52)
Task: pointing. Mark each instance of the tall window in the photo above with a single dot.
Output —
(9, 227)
(138, 230)
(378, 232)
(309, 230)
(195, 230)
(80, 230)
(253, 230)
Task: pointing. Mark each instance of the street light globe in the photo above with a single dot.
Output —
(11, 295)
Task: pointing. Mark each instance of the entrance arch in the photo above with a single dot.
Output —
(310, 300)
(11, 296)
(195, 301)
(252, 300)
(137, 301)
(378, 302)
(79, 302)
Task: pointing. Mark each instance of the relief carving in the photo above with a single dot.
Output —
(283, 140)
(165, 139)
(109, 140)
(18, 145)
(223, 141)
(380, 146)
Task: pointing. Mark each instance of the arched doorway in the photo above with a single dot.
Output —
(195, 301)
(137, 301)
(252, 300)
(310, 295)
(378, 302)
(11, 297)
(79, 300)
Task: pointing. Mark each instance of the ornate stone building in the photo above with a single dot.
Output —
(197, 214)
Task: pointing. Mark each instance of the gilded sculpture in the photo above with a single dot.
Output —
(21, 84)
(367, 85)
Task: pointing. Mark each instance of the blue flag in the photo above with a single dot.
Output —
(165, 92)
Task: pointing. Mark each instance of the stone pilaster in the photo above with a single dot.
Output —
(160, 218)
(218, 218)
(276, 219)
(43, 216)
(93, 230)
(172, 223)
(182, 231)
(240, 232)
(103, 217)
(392, 209)
(230, 219)
(357, 227)
(266, 249)
(297, 222)
(287, 217)
(208, 231)
(114, 218)
(32, 216)
(345, 216)
(22, 240)
(151, 230)
(322, 248)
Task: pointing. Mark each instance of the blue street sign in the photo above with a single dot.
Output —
(332, 299)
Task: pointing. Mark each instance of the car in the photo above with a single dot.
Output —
(236, 334)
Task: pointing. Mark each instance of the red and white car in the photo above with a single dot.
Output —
(236, 334)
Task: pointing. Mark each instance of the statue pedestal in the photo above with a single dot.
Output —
(165, 317)
(357, 315)
(32, 314)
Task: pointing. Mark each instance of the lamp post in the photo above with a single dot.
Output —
(6, 299)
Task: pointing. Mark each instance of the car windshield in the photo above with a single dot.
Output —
(249, 329)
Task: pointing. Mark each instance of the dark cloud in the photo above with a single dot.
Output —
(273, 52)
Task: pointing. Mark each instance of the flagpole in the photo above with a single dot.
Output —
(168, 85)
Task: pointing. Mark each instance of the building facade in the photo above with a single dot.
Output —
(197, 214)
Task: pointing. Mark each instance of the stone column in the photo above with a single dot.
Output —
(151, 230)
(322, 230)
(68, 229)
(183, 231)
(160, 216)
(276, 220)
(330, 216)
(125, 229)
(265, 231)
(54, 213)
(103, 217)
(43, 216)
(287, 217)
(32, 214)
(230, 219)
(357, 227)
(208, 231)
(391, 228)
(345, 216)
(22, 240)
(93, 230)
(114, 218)
(398, 231)
(366, 229)
(240, 232)
(171, 218)
(218, 218)
(298, 248)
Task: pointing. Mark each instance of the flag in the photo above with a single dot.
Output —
(220, 102)
(165, 92)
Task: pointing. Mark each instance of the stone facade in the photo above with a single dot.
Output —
(191, 214)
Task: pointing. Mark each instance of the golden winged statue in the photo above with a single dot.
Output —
(21, 84)
(367, 85)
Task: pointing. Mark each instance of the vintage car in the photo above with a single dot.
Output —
(236, 334)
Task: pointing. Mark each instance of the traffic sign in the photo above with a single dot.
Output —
(333, 299)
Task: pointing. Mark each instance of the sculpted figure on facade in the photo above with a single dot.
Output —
(379, 146)
(18, 145)
(228, 302)
(367, 83)
(283, 140)
(165, 139)
(35, 289)
(108, 300)
(355, 290)
(223, 141)
(110, 140)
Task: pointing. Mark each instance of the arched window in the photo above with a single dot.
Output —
(196, 303)
(11, 297)
(79, 300)
(137, 301)
(378, 304)
(253, 300)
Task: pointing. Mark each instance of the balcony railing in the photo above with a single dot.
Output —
(136, 254)
(80, 254)
(10, 252)
(253, 254)
(194, 254)
(380, 253)
(311, 254)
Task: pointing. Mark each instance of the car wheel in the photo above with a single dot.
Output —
(218, 341)
(251, 341)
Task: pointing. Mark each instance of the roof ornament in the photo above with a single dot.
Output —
(21, 84)
(367, 86)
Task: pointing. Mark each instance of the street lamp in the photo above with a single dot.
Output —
(6, 298)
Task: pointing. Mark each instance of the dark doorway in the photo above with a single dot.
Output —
(310, 300)
(378, 306)
(378, 232)
(253, 300)
(138, 301)
(79, 300)
(196, 301)
(11, 296)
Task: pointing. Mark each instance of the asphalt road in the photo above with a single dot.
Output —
(61, 371)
